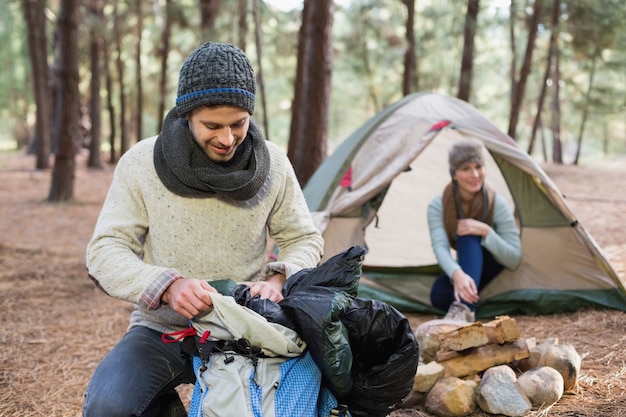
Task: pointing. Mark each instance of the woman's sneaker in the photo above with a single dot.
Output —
(460, 312)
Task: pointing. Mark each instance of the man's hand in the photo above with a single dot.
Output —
(189, 297)
(272, 288)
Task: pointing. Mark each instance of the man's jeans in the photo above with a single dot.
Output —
(138, 378)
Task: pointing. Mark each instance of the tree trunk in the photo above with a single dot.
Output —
(367, 67)
(110, 105)
(34, 14)
(309, 123)
(138, 69)
(544, 146)
(62, 187)
(95, 102)
(409, 81)
(209, 10)
(119, 65)
(165, 51)
(256, 11)
(518, 94)
(557, 154)
(55, 88)
(587, 103)
(513, 51)
(242, 11)
(540, 101)
(467, 61)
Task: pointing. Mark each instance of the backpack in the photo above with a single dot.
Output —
(248, 366)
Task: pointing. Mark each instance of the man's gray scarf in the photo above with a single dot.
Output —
(186, 170)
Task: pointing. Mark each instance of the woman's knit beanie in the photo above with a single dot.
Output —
(216, 74)
(466, 150)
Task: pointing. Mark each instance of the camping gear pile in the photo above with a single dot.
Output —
(321, 350)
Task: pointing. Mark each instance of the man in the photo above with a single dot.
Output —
(188, 207)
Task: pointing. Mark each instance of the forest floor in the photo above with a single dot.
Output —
(57, 326)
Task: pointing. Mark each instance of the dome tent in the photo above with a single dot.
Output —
(374, 189)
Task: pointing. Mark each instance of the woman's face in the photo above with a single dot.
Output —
(470, 177)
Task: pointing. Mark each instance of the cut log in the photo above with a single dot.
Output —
(466, 337)
(478, 359)
(502, 330)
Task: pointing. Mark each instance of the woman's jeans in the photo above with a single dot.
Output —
(475, 261)
(138, 377)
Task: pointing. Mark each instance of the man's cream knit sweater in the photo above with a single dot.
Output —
(146, 236)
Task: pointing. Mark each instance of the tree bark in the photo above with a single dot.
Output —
(242, 12)
(109, 102)
(409, 80)
(95, 102)
(467, 61)
(62, 187)
(138, 70)
(165, 51)
(540, 101)
(518, 94)
(309, 123)
(256, 11)
(120, 69)
(209, 10)
(34, 14)
(587, 103)
(557, 155)
(513, 51)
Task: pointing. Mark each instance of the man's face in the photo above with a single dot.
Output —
(219, 130)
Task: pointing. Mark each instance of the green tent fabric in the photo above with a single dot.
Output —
(374, 189)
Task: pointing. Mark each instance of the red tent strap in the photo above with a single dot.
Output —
(440, 125)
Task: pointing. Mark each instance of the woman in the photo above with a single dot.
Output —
(477, 222)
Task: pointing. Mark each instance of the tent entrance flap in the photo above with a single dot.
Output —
(399, 237)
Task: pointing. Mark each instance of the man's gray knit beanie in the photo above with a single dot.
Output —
(216, 74)
(467, 150)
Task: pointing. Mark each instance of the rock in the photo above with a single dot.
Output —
(427, 375)
(500, 393)
(535, 352)
(543, 386)
(411, 401)
(564, 359)
(451, 397)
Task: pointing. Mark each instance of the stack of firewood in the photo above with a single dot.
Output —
(456, 356)
(475, 347)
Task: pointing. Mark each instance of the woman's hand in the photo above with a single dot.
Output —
(464, 287)
(189, 297)
(474, 227)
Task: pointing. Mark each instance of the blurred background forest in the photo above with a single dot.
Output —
(96, 76)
